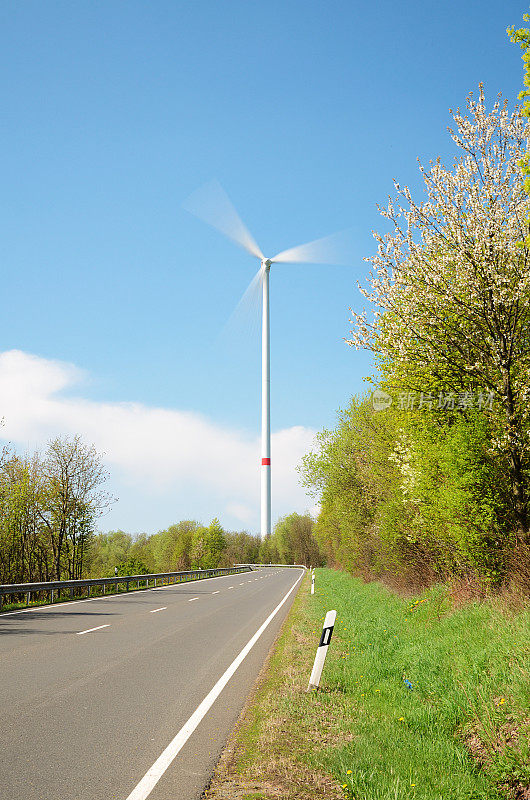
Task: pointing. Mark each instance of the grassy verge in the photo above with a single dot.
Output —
(419, 699)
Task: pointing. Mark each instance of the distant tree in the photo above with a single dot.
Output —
(109, 550)
(198, 553)
(241, 548)
(208, 545)
(268, 552)
(182, 534)
(73, 498)
(133, 566)
(25, 550)
(142, 549)
(294, 540)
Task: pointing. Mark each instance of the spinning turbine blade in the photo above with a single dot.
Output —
(212, 204)
(333, 249)
(246, 316)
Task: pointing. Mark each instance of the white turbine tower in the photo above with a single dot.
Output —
(211, 204)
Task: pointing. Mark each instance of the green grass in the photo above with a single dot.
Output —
(461, 664)
(461, 732)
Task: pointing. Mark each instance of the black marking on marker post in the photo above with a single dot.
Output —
(326, 636)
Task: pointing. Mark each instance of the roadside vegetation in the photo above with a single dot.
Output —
(427, 477)
(423, 697)
(190, 545)
(51, 506)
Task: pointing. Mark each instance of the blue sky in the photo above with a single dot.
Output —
(113, 112)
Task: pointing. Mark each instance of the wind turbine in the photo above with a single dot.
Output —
(211, 204)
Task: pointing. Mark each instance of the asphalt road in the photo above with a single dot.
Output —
(85, 715)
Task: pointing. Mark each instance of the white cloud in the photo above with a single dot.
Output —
(170, 464)
(241, 512)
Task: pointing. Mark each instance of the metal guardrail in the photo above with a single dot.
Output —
(261, 566)
(11, 589)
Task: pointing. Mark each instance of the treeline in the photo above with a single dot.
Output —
(49, 507)
(429, 476)
(190, 545)
(414, 497)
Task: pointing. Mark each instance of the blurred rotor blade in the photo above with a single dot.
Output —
(212, 204)
(338, 248)
(246, 316)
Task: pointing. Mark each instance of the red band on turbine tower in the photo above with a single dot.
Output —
(265, 462)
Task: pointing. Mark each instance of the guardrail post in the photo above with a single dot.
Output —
(126, 586)
(51, 595)
(103, 587)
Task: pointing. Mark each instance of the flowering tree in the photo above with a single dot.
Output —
(451, 282)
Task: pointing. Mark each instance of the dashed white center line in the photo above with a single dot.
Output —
(158, 609)
(230, 587)
(217, 592)
(241, 584)
(192, 599)
(80, 633)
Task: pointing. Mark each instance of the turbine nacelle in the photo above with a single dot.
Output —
(266, 264)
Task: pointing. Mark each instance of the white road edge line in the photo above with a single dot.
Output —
(144, 788)
(158, 609)
(80, 633)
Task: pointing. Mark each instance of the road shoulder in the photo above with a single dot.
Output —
(263, 758)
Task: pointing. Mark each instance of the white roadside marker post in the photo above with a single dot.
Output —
(313, 582)
(322, 650)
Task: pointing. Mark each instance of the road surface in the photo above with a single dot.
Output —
(93, 692)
